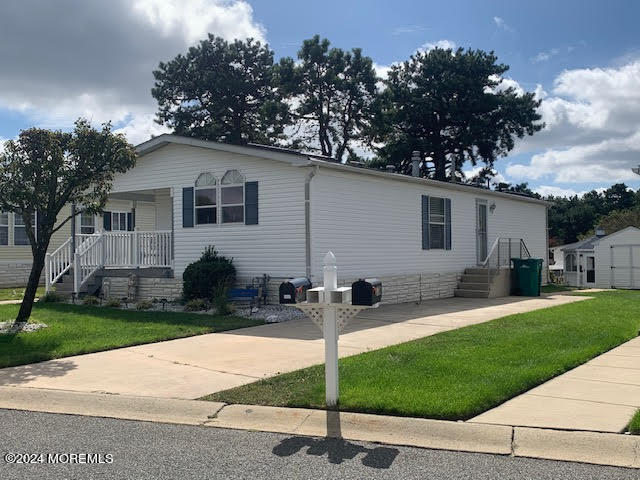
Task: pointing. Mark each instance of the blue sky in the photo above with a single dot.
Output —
(581, 57)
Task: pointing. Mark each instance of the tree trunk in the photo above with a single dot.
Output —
(32, 286)
(440, 162)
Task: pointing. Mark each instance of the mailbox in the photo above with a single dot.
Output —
(366, 292)
(294, 290)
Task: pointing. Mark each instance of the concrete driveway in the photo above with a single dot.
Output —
(192, 367)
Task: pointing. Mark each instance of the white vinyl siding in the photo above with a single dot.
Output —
(276, 246)
(373, 225)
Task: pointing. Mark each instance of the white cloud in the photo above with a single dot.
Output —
(443, 44)
(473, 171)
(407, 29)
(592, 131)
(500, 23)
(96, 59)
(546, 190)
(546, 55)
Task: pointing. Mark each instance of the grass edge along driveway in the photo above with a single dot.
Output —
(634, 425)
(458, 374)
(79, 329)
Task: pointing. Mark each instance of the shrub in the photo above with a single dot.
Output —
(195, 305)
(113, 303)
(91, 300)
(207, 275)
(51, 297)
(144, 305)
(221, 301)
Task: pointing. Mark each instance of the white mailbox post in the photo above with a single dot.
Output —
(330, 309)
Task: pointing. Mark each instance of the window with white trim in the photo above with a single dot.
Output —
(570, 264)
(232, 197)
(206, 203)
(119, 222)
(4, 228)
(436, 223)
(88, 223)
(20, 230)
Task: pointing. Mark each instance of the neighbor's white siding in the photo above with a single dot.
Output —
(275, 246)
(374, 226)
(602, 251)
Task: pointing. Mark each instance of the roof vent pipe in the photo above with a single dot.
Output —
(600, 232)
(391, 168)
(415, 163)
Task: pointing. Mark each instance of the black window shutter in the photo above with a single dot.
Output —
(425, 222)
(447, 224)
(106, 221)
(187, 207)
(131, 220)
(251, 203)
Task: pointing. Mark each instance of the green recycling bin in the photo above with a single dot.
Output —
(527, 276)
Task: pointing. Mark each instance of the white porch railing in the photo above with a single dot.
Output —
(109, 250)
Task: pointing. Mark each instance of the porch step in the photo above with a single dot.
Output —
(474, 286)
(476, 271)
(461, 292)
(484, 278)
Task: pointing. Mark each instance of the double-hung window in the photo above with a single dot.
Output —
(119, 222)
(206, 199)
(4, 228)
(88, 223)
(570, 264)
(20, 230)
(436, 223)
(232, 197)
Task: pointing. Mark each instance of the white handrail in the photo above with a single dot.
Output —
(57, 264)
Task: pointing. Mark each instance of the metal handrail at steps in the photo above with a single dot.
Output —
(502, 251)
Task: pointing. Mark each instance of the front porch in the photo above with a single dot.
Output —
(134, 235)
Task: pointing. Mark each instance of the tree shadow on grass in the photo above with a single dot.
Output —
(337, 448)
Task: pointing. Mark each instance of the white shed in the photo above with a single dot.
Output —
(604, 261)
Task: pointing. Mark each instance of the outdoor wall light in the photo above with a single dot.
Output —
(492, 207)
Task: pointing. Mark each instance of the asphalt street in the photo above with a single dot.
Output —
(53, 446)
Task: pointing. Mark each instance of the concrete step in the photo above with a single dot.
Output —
(474, 286)
(475, 271)
(459, 292)
(477, 278)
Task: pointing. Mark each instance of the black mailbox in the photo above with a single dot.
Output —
(366, 292)
(294, 290)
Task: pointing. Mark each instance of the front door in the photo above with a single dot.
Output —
(481, 231)
(591, 269)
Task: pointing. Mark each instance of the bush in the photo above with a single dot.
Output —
(144, 305)
(205, 277)
(195, 305)
(51, 297)
(91, 300)
(113, 303)
(221, 301)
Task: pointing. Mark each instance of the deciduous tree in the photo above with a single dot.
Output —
(44, 170)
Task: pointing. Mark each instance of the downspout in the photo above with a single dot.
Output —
(307, 219)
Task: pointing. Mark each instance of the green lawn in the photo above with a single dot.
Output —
(634, 426)
(76, 329)
(16, 293)
(553, 288)
(458, 374)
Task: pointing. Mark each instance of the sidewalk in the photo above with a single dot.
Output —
(601, 395)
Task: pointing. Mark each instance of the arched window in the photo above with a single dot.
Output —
(570, 264)
(206, 199)
(232, 197)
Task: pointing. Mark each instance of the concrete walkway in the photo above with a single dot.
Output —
(192, 367)
(601, 395)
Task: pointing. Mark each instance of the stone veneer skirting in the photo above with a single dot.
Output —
(395, 288)
(15, 274)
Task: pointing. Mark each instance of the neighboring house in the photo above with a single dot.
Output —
(604, 261)
(277, 212)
